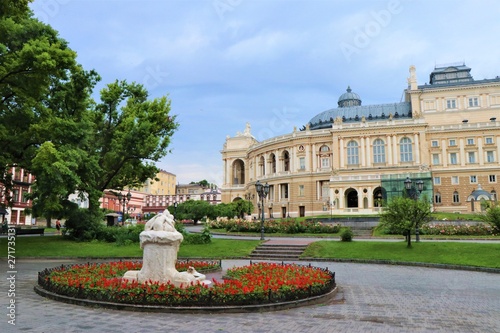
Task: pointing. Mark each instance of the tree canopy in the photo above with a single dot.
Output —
(50, 125)
(403, 215)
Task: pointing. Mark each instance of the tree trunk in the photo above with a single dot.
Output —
(409, 238)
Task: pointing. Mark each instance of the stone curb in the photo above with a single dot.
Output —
(406, 263)
(321, 299)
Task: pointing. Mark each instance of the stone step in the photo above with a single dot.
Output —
(278, 252)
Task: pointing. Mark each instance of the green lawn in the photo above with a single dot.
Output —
(455, 253)
(56, 246)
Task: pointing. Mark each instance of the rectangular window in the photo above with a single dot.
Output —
(473, 179)
(472, 157)
(473, 102)
(284, 191)
(489, 140)
(454, 180)
(437, 180)
(453, 158)
(302, 163)
(301, 190)
(456, 197)
(451, 104)
(435, 159)
(492, 178)
(325, 162)
(452, 143)
(490, 156)
(470, 141)
(435, 143)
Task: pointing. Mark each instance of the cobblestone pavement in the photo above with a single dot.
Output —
(371, 298)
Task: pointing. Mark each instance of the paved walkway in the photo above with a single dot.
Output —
(372, 298)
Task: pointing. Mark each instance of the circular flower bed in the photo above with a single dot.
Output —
(257, 283)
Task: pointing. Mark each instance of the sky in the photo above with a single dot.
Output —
(274, 64)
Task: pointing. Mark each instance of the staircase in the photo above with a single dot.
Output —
(362, 232)
(277, 252)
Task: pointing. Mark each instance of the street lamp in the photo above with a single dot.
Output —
(175, 208)
(262, 191)
(414, 194)
(123, 200)
(288, 209)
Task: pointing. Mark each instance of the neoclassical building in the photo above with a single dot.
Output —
(352, 158)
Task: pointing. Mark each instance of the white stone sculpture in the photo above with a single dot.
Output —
(160, 241)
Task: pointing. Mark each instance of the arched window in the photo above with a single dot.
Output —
(324, 156)
(379, 151)
(456, 197)
(273, 163)
(238, 172)
(437, 198)
(286, 161)
(352, 153)
(405, 150)
(262, 165)
(493, 195)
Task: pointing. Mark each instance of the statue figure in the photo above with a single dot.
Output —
(161, 222)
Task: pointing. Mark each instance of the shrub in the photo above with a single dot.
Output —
(286, 226)
(346, 235)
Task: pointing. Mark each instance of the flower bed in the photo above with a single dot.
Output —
(287, 226)
(258, 283)
(457, 230)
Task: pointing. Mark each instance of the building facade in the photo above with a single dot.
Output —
(165, 185)
(353, 158)
(15, 212)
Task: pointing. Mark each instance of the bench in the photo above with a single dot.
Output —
(31, 231)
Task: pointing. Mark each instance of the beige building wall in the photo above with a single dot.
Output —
(165, 185)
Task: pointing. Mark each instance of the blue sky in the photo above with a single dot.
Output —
(272, 63)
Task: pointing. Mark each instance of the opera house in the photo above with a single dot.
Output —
(353, 158)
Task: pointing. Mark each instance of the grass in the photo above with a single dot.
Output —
(57, 246)
(454, 253)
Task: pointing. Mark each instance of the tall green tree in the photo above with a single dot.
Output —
(403, 215)
(32, 59)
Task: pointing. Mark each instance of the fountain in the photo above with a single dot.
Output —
(160, 242)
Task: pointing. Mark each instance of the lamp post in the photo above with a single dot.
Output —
(414, 194)
(288, 209)
(262, 191)
(123, 200)
(175, 209)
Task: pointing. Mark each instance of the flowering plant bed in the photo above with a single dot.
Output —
(258, 283)
(286, 226)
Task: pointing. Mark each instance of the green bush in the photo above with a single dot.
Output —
(346, 235)
(204, 238)
(286, 226)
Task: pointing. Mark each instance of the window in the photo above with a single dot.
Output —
(456, 197)
(492, 178)
(284, 191)
(451, 104)
(473, 102)
(435, 143)
(490, 156)
(437, 198)
(437, 181)
(472, 157)
(494, 195)
(302, 163)
(470, 141)
(325, 162)
(378, 151)
(286, 161)
(452, 142)
(453, 158)
(352, 153)
(473, 179)
(405, 150)
(325, 189)
(435, 159)
(489, 140)
(324, 149)
(454, 180)
(301, 190)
